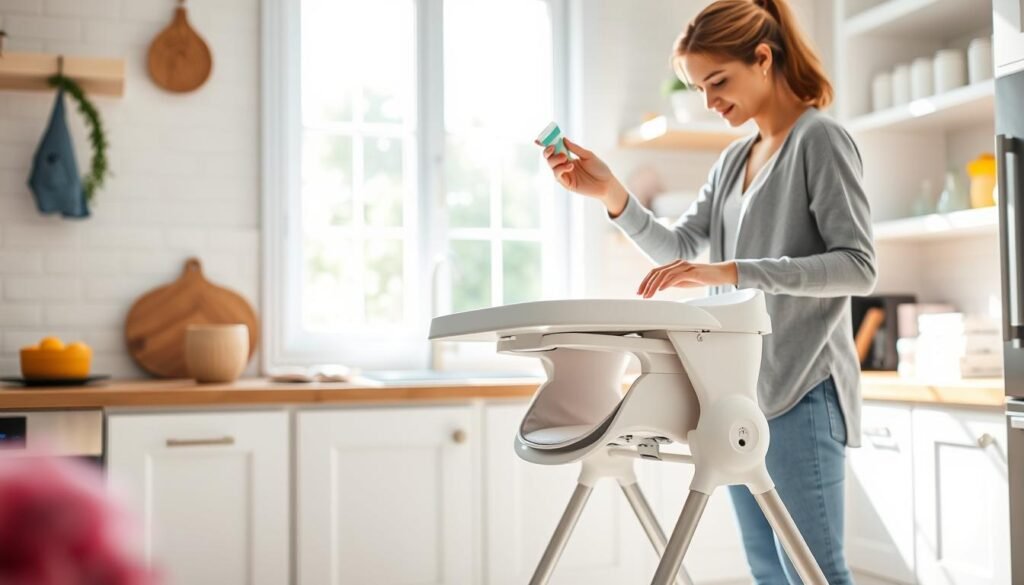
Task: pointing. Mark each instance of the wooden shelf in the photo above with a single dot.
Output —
(963, 106)
(29, 71)
(917, 19)
(662, 132)
(969, 222)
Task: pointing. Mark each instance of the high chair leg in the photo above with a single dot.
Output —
(682, 534)
(651, 526)
(561, 535)
(792, 541)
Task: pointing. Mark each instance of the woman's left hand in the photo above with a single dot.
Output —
(687, 274)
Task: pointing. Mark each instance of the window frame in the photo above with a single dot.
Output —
(381, 348)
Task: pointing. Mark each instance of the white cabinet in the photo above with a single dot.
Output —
(961, 497)
(387, 496)
(211, 491)
(1008, 36)
(880, 495)
(927, 497)
(524, 503)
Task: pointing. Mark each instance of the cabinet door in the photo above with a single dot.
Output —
(210, 490)
(1008, 36)
(880, 496)
(962, 500)
(387, 496)
(524, 503)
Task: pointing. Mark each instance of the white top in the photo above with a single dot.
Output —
(736, 203)
(741, 311)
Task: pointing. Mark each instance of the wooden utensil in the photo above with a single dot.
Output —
(156, 324)
(179, 59)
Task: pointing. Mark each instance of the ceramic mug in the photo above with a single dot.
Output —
(949, 70)
(881, 91)
(921, 78)
(216, 353)
(900, 84)
(979, 60)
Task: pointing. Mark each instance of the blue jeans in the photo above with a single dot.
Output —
(806, 459)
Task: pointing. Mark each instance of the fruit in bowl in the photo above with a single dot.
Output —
(52, 359)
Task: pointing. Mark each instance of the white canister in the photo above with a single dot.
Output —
(900, 84)
(921, 75)
(949, 70)
(881, 91)
(979, 60)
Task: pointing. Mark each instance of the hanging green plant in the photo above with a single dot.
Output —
(98, 170)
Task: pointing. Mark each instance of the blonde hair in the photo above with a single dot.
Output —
(734, 28)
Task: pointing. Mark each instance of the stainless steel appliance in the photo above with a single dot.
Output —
(1008, 51)
(62, 433)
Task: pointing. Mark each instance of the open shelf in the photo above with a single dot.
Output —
(935, 226)
(916, 19)
(663, 132)
(30, 71)
(963, 106)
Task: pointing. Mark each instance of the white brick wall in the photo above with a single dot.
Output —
(186, 176)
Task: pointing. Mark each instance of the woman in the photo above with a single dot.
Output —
(782, 211)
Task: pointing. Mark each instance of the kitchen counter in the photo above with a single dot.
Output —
(883, 386)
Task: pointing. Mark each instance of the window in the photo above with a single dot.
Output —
(401, 176)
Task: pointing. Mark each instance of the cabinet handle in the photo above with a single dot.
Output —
(200, 442)
(986, 441)
(878, 432)
(459, 436)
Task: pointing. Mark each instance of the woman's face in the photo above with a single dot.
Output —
(732, 88)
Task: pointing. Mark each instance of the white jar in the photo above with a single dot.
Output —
(900, 84)
(921, 74)
(881, 91)
(979, 60)
(949, 70)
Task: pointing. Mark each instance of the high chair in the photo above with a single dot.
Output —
(699, 363)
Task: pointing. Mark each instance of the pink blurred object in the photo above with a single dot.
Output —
(58, 526)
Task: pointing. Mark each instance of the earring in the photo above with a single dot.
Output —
(764, 72)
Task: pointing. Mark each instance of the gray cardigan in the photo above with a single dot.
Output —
(805, 240)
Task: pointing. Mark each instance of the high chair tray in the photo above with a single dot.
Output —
(738, 311)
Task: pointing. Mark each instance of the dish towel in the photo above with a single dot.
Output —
(54, 181)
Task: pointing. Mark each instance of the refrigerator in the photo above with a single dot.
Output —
(1008, 53)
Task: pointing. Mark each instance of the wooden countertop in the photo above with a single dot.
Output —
(887, 386)
(877, 386)
(257, 391)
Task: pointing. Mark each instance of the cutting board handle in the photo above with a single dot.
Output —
(193, 268)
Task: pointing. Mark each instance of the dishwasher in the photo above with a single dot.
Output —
(74, 434)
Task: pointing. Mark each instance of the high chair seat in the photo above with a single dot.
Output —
(699, 363)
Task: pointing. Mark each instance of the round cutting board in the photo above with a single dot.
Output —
(155, 328)
(179, 59)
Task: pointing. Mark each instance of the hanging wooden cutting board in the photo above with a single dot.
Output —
(179, 59)
(155, 328)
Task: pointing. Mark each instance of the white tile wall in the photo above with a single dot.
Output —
(186, 175)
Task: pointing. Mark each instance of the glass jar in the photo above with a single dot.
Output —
(982, 172)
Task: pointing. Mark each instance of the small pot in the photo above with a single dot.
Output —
(216, 353)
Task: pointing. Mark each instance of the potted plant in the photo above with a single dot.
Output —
(687, 102)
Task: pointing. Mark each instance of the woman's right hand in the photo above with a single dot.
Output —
(587, 175)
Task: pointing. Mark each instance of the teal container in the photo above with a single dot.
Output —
(551, 135)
